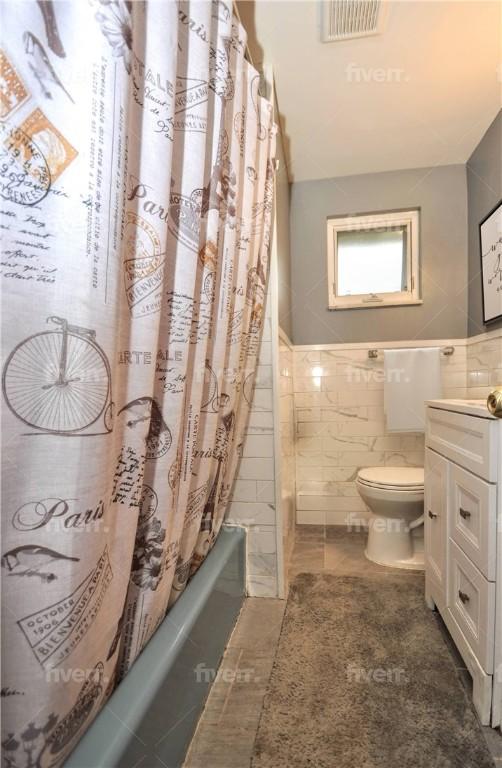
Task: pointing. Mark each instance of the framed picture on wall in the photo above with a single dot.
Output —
(490, 238)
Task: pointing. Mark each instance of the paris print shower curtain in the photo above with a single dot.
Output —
(136, 192)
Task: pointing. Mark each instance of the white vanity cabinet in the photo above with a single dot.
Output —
(463, 539)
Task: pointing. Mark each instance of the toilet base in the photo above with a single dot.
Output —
(415, 563)
(391, 543)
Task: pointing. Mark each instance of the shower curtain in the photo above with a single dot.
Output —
(136, 194)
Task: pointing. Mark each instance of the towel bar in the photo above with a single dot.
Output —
(373, 353)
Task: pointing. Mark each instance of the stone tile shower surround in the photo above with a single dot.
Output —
(340, 422)
(288, 459)
(254, 503)
(253, 499)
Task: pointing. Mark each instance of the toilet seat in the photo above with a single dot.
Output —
(393, 478)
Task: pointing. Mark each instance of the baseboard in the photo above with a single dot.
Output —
(350, 520)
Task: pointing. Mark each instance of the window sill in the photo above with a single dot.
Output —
(375, 305)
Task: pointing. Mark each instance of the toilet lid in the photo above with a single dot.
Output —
(407, 478)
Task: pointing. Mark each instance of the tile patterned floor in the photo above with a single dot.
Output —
(227, 729)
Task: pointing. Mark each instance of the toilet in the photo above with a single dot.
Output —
(395, 498)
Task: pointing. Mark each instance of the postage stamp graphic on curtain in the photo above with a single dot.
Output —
(143, 265)
(146, 410)
(191, 95)
(24, 173)
(184, 218)
(148, 505)
(58, 151)
(54, 632)
(13, 91)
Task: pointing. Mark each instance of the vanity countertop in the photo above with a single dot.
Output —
(470, 407)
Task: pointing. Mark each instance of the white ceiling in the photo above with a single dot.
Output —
(421, 94)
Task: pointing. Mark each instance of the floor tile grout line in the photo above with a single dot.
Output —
(231, 684)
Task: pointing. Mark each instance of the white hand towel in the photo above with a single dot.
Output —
(412, 376)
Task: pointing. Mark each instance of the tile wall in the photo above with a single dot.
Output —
(484, 364)
(331, 424)
(340, 427)
(288, 462)
(252, 502)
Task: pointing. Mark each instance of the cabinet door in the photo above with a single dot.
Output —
(435, 523)
(471, 602)
(473, 519)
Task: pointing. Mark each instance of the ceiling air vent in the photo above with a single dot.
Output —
(346, 19)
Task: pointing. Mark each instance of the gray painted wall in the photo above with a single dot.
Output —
(484, 189)
(441, 194)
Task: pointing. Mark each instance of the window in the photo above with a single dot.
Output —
(373, 260)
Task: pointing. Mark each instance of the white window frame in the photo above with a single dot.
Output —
(409, 219)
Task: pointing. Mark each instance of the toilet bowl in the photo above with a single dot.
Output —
(395, 498)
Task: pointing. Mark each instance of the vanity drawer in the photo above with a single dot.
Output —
(468, 440)
(473, 518)
(471, 603)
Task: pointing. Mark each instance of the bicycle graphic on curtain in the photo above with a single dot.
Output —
(59, 381)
